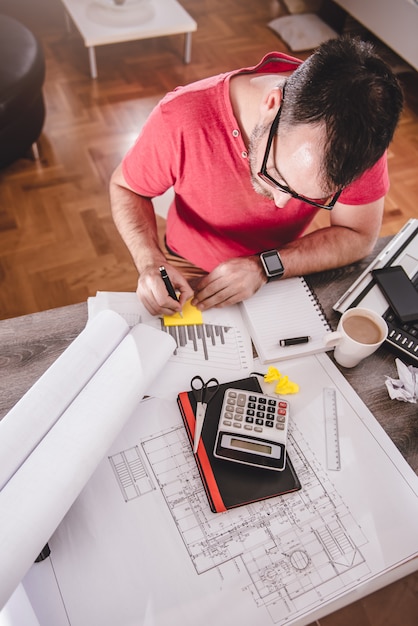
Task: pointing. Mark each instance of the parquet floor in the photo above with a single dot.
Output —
(58, 244)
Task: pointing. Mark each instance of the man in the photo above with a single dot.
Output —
(252, 156)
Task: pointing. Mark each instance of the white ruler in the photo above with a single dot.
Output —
(331, 429)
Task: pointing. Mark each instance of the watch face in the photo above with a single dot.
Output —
(272, 263)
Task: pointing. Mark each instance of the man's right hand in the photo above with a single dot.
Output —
(152, 291)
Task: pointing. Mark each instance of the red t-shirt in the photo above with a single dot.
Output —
(192, 142)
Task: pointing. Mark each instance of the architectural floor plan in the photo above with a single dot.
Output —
(296, 550)
(141, 547)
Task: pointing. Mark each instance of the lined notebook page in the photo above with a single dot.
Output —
(284, 309)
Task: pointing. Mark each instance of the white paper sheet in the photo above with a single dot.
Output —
(141, 546)
(36, 498)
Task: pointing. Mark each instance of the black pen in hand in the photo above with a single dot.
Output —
(169, 286)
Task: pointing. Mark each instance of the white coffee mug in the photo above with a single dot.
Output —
(359, 333)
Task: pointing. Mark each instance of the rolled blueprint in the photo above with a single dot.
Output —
(33, 416)
(18, 610)
(41, 491)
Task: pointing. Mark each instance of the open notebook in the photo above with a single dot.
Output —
(281, 310)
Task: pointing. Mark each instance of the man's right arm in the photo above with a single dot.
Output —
(135, 220)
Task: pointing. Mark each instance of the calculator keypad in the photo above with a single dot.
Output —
(255, 412)
(252, 429)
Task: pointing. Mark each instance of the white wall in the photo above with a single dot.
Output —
(395, 22)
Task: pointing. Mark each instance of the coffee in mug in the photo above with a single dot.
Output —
(359, 333)
(362, 329)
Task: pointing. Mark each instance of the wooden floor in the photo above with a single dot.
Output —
(58, 244)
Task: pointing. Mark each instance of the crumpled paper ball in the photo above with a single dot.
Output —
(406, 388)
(284, 385)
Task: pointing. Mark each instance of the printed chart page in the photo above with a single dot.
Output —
(141, 546)
(219, 347)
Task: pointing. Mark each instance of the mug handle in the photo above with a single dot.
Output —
(331, 339)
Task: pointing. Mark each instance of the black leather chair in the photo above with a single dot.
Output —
(22, 74)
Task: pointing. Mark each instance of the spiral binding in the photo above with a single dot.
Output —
(317, 304)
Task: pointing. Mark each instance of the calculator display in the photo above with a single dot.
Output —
(250, 445)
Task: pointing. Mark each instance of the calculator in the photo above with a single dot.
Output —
(252, 429)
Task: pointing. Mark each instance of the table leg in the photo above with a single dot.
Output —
(35, 151)
(92, 59)
(187, 47)
(67, 22)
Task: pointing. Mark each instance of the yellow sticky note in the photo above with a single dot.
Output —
(191, 316)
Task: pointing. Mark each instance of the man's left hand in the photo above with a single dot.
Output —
(230, 282)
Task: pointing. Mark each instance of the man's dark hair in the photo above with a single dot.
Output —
(348, 87)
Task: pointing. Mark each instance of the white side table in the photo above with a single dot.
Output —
(100, 22)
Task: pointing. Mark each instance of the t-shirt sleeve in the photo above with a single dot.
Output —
(372, 185)
(148, 165)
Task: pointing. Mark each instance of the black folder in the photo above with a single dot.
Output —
(229, 484)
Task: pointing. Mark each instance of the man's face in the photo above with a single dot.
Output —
(294, 161)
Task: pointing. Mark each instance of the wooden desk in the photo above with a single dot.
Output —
(31, 343)
(399, 419)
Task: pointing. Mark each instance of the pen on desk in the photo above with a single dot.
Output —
(293, 341)
(168, 284)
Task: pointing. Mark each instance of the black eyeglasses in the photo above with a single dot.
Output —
(327, 203)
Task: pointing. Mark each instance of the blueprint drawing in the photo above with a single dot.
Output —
(296, 550)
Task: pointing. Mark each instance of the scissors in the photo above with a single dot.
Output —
(203, 393)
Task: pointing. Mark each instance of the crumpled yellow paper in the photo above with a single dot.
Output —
(284, 385)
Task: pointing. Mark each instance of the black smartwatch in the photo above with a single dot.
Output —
(272, 265)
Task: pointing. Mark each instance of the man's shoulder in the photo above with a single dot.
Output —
(195, 89)
(272, 62)
(372, 185)
(190, 102)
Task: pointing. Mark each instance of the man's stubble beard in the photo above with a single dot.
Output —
(259, 131)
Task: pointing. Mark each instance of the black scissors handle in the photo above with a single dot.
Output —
(204, 391)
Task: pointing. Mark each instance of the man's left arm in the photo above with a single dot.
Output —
(351, 236)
